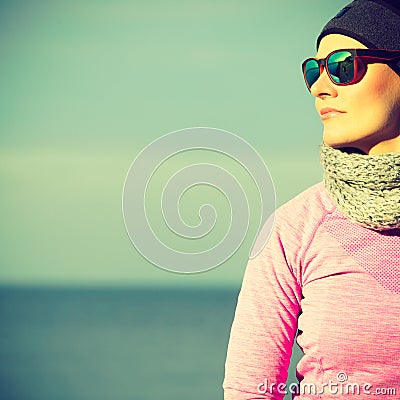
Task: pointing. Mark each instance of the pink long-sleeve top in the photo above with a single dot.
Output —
(334, 283)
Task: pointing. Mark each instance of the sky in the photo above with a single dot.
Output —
(87, 85)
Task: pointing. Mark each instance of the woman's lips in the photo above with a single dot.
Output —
(327, 113)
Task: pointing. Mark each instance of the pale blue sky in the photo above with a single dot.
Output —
(87, 84)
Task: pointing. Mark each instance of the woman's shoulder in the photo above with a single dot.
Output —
(293, 227)
(305, 212)
(295, 223)
(312, 202)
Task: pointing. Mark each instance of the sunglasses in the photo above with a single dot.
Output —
(346, 67)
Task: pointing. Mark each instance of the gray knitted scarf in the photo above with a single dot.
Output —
(366, 188)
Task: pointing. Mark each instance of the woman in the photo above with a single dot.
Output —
(330, 272)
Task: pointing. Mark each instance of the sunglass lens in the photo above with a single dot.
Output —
(311, 72)
(341, 67)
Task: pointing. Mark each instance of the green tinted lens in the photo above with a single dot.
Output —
(341, 67)
(311, 72)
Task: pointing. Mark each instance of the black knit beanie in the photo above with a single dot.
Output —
(374, 23)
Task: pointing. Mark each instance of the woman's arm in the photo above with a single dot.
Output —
(265, 323)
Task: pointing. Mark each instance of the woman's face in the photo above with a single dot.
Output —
(368, 112)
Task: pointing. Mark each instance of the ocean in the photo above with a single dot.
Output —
(113, 344)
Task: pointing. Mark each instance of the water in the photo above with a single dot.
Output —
(72, 344)
(113, 344)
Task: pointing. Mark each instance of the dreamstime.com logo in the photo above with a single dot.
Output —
(170, 170)
(342, 386)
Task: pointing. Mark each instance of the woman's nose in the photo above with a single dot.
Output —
(323, 86)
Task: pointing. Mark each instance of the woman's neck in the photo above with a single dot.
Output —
(388, 145)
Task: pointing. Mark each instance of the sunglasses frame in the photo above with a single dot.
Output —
(365, 56)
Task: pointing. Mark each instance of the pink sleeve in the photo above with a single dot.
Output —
(265, 323)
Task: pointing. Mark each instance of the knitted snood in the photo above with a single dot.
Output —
(366, 188)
